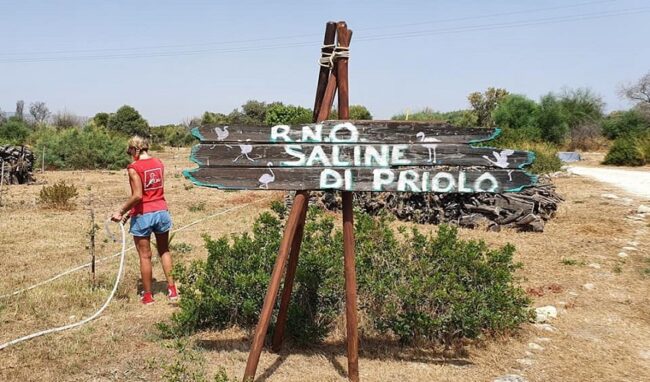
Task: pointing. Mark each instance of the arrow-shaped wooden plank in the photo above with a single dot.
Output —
(247, 154)
(407, 179)
(346, 132)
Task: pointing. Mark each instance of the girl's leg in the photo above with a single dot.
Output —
(162, 244)
(142, 244)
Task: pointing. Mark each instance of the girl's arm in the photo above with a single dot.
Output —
(136, 195)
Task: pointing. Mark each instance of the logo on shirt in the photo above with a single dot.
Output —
(153, 179)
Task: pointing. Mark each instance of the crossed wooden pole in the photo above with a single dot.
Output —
(330, 78)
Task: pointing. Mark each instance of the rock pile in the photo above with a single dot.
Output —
(18, 164)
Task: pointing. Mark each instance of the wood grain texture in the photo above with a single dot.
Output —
(360, 179)
(222, 155)
(371, 131)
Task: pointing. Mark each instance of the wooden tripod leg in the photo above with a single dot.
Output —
(274, 284)
(278, 335)
(350, 288)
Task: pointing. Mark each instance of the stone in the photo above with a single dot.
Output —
(643, 209)
(543, 339)
(594, 265)
(511, 378)
(545, 327)
(629, 249)
(622, 254)
(543, 313)
(589, 286)
(609, 196)
(525, 361)
(534, 346)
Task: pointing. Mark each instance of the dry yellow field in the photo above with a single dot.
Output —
(602, 332)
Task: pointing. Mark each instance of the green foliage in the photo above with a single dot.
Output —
(14, 132)
(483, 104)
(252, 113)
(101, 119)
(86, 148)
(172, 135)
(127, 120)
(218, 118)
(581, 106)
(417, 287)
(629, 150)
(280, 114)
(59, 195)
(357, 112)
(622, 123)
(518, 113)
(551, 120)
(462, 118)
(188, 365)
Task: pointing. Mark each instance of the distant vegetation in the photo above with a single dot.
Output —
(569, 120)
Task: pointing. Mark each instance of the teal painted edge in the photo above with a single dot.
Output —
(197, 134)
(495, 134)
(188, 174)
(193, 157)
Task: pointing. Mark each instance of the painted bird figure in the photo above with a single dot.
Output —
(428, 145)
(222, 133)
(266, 178)
(501, 158)
(246, 149)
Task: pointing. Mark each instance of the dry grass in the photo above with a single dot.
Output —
(601, 334)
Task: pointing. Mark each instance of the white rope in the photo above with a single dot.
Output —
(79, 323)
(327, 58)
(80, 267)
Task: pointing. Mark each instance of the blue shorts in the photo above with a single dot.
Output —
(156, 222)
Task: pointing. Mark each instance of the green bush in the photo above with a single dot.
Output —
(628, 151)
(86, 148)
(551, 120)
(462, 118)
(417, 287)
(172, 135)
(14, 132)
(128, 121)
(622, 123)
(58, 195)
(280, 114)
(546, 159)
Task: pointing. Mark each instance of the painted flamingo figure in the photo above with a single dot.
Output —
(267, 178)
(427, 143)
(501, 158)
(246, 149)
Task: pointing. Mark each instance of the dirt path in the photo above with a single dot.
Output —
(632, 181)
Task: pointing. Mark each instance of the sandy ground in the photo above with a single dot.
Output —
(633, 181)
(592, 263)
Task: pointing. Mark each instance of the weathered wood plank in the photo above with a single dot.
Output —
(432, 179)
(246, 154)
(336, 132)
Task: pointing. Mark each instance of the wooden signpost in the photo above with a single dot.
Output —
(346, 156)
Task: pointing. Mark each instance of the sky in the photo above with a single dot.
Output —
(173, 60)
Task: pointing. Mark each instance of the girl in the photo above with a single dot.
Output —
(148, 210)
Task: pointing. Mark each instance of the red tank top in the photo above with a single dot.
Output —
(151, 172)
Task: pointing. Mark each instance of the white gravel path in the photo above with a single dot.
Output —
(632, 181)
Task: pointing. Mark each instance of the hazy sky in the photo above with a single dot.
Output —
(175, 59)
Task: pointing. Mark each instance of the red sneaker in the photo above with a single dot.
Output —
(172, 293)
(147, 298)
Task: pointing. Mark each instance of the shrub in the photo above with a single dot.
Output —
(517, 112)
(418, 287)
(128, 121)
(551, 120)
(626, 151)
(462, 118)
(58, 195)
(280, 114)
(546, 159)
(13, 132)
(620, 123)
(87, 148)
(171, 135)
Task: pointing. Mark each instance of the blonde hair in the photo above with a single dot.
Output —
(139, 144)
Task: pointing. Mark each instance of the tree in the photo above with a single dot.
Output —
(280, 114)
(39, 111)
(210, 117)
(254, 111)
(357, 112)
(638, 92)
(101, 119)
(551, 120)
(3, 117)
(128, 121)
(581, 106)
(516, 112)
(20, 105)
(65, 120)
(485, 103)
(624, 123)
(14, 132)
